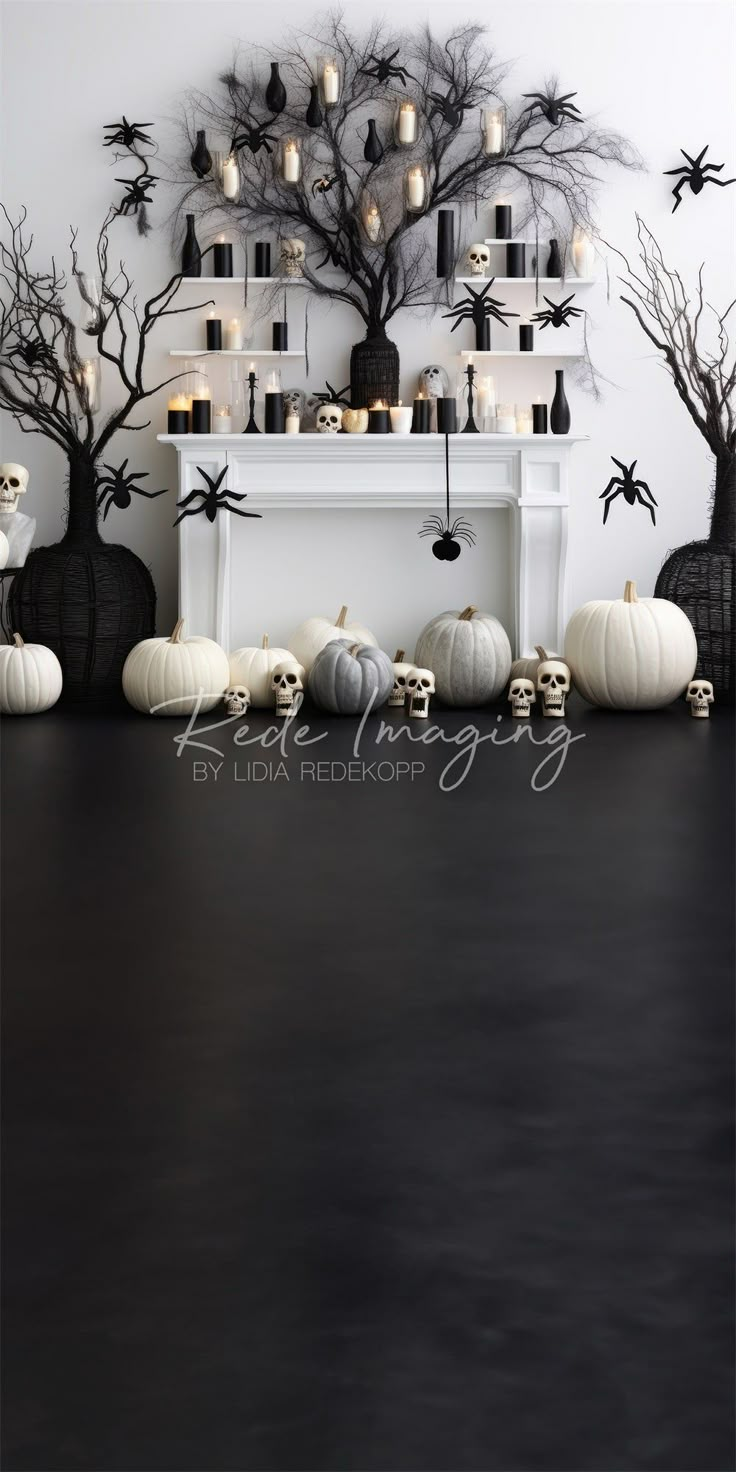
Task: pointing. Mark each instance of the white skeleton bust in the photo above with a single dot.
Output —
(237, 700)
(553, 684)
(329, 419)
(522, 696)
(479, 257)
(287, 682)
(17, 529)
(293, 256)
(13, 485)
(420, 688)
(700, 698)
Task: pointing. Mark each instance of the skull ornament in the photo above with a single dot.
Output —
(293, 255)
(287, 681)
(700, 698)
(522, 696)
(479, 257)
(13, 483)
(420, 688)
(553, 684)
(237, 700)
(329, 419)
(434, 381)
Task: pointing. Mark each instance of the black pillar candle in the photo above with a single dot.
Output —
(421, 419)
(280, 336)
(447, 416)
(214, 335)
(526, 337)
(379, 421)
(515, 258)
(539, 418)
(178, 422)
(503, 221)
(445, 244)
(274, 413)
(222, 256)
(263, 258)
(483, 336)
(201, 416)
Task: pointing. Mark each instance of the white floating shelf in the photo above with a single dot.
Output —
(525, 280)
(240, 281)
(232, 353)
(512, 353)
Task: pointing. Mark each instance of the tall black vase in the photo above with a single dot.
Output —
(559, 415)
(191, 255)
(275, 91)
(201, 158)
(374, 371)
(373, 150)
(88, 600)
(554, 260)
(314, 111)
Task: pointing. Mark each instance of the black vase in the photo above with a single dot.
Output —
(275, 91)
(701, 579)
(554, 260)
(559, 416)
(191, 255)
(373, 151)
(314, 111)
(374, 371)
(201, 159)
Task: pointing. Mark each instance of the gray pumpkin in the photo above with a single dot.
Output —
(346, 678)
(469, 653)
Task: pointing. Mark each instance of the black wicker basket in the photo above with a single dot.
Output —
(699, 578)
(374, 372)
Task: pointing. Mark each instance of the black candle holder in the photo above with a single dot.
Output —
(471, 426)
(280, 336)
(503, 221)
(201, 416)
(251, 427)
(178, 421)
(516, 258)
(274, 419)
(526, 337)
(421, 418)
(214, 334)
(263, 258)
(447, 416)
(539, 418)
(222, 258)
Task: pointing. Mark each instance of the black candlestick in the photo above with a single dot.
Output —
(503, 221)
(280, 336)
(222, 257)
(539, 418)
(447, 416)
(471, 426)
(263, 258)
(526, 337)
(251, 427)
(214, 334)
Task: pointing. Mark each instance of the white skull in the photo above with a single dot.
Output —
(522, 697)
(329, 419)
(700, 698)
(434, 382)
(401, 670)
(479, 257)
(293, 256)
(553, 684)
(420, 689)
(237, 699)
(13, 483)
(287, 681)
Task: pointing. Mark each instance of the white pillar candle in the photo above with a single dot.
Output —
(524, 422)
(292, 424)
(401, 418)
(486, 398)
(494, 133)
(234, 335)
(330, 83)
(407, 123)
(415, 188)
(231, 177)
(292, 162)
(583, 255)
(373, 223)
(505, 421)
(222, 422)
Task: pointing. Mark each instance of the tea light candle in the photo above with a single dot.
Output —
(223, 423)
(401, 418)
(526, 337)
(378, 417)
(539, 417)
(415, 189)
(407, 123)
(231, 177)
(292, 161)
(292, 424)
(234, 335)
(524, 421)
(214, 333)
(330, 84)
(505, 421)
(222, 257)
(503, 221)
(178, 418)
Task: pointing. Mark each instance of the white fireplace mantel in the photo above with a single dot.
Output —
(527, 474)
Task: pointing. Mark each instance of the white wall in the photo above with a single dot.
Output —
(659, 72)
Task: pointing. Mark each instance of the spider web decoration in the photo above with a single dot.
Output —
(697, 174)
(131, 142)
(446, 546)
(118, 488)
(212, 499)
(632, 490)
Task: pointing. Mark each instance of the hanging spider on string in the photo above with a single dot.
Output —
(255, 139)
(632, 490)
(212, 499)
(696, 174)
(382, 69)
(449, 108)
(446, 546)
(560, 314)
(480, 309)
(132, 140)
(554, 108)
(118, 488)
(127, 135)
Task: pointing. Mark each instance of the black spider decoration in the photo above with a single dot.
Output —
(696, 174)
(331, 256)
(631, 490)
(477, 307)
(559, 313)
(325, 183)
(334, 396)
(446, 546)
(127, 135)
(555, 109)
(448, 108)
(137, 192)
(117, 489)
(383, 69)
(212, 499)
(34, 353)
(255, 139)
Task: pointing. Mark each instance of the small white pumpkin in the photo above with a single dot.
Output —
(311, 636)
(469, 653)
(30, 678)
(253, 666)
(631, 653)
(526, 669)
(178, 675)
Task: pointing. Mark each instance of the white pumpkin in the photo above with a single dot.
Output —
(526, 669)
(469, 653)
(311, 636)
(4, 555)
(631, 653)
(254, 666)
(30, 678)
(178, 675)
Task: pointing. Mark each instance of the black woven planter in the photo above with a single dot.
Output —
(88, 600)
(699, 578)
(374, 372)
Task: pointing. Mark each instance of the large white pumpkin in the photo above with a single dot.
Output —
(631, 653)
(469, 653)
(171, 673)
(253, 667)
(311, 636)
(4, 555)
(30, 678)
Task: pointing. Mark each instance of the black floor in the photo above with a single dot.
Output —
(366, 1126)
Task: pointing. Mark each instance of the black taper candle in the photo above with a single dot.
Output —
(503, 221)
(201, 416)
(222, 258)
(274, 413)
(445, 244)
(421, 420)
(515, 258)
(447, 416)
(539, 418)
(214, 334)
(178, 422)
(526, 337)
(263, 258)
(280, 336)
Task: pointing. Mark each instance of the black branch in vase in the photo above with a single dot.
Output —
(212, 499)
(559, 314)
(389, 267)
(632, 490)
(118, 487)
(696, 174)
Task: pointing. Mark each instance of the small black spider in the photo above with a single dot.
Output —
(382, 68)
(555, 109)
(448, 108)
(255, 139)
(331, 256)
(559, 313)
(136, 192)
(325, 183)
(117, 489)
(695, 173)
(447, 546)
(632, 490)
(477, 306)
(213, 499)
(127, 135)
(34, 353)
(334, 396)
